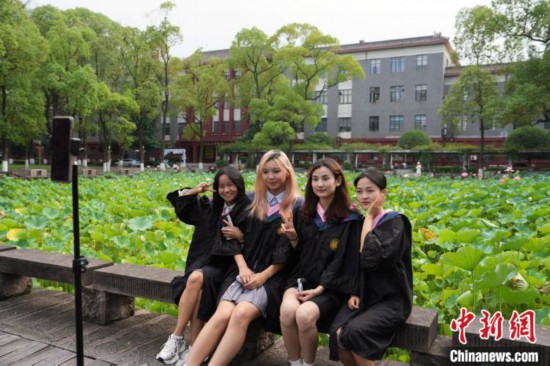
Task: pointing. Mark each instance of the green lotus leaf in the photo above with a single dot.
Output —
(140, 223)
(466, 258)
(446, 236)
(525, 297)
(495, 278)
(467, 236)
(432, 269)
(36, 222)
(490, 223)
(466, 299)
(545, 229)
(51, 213)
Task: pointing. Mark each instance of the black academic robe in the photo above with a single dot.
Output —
(322, 253)
(209, 250)
(264, 245)
(384, 270)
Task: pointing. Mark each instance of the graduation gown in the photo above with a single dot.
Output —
(384, 271)
(208, 250)
(322, 253)
(264, 245)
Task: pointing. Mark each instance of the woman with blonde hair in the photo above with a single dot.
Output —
(255, 292)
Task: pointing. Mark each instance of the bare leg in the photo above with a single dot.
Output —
(210, 334)
(360, 361)
(288, 324)
(306, 318)
(188, 301)
(345, 356)
(233, 339)
(196, 324)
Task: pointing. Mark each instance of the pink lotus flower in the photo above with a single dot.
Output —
(501, 181)
(517, 177)
(464, 174)
(416, 175)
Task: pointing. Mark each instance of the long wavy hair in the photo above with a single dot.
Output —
(235, 176)
(339, 208)
(260, 205)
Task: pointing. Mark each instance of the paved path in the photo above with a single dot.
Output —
(38, 329)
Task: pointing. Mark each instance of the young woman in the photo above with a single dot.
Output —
(255, 292)
(321, 232)
(365, 327)
(214, 243)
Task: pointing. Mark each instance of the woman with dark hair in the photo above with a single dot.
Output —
(382, 302)
(316, 287)
(253, 294)
(215, 242)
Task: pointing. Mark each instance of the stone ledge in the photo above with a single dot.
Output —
(419, 331)
(46, 265)
(139, 281)
(6, 247)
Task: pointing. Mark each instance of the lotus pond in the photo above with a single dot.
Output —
(478, 244)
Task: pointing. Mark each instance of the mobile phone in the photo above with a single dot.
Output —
(300, 282)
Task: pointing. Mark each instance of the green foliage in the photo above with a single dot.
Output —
(528, 137)
(320, 139)
(479, 244)
(414, 138)
(274, 134)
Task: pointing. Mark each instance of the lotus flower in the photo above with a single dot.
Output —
(517, 177)
(464, 174)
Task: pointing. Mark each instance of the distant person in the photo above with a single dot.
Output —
(418, 169)
(214, 244)
(366, 325)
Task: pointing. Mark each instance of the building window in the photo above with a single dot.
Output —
(374, 123)
(421, 92)
(396, 123)
(321, 97)
(344, 125)
(345, 96)
(375, 66)
(420, 122)
(226, 104)
(215, 126)
(374, 94)
(397, 93)
(322, 126)
(226, 126)
(421, 62)
(398, 64)
(237, 126)
(167, 130)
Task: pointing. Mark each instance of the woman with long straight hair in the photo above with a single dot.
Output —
(214, 244)
(255, 293)
(366, 325)
(317, 286)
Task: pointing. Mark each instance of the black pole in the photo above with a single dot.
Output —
(79, 263)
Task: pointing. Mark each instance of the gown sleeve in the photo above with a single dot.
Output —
(192, 209)
(384, 246)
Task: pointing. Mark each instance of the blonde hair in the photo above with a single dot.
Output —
(260, 205)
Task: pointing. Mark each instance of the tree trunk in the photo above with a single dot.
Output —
(482, 150)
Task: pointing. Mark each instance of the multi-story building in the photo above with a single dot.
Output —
(406, 82)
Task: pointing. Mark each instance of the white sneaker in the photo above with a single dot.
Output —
(171, 350)
(183, 356)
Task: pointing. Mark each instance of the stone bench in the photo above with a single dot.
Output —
(18, 267)
(87, 172)
(114, 288)
(38, 173)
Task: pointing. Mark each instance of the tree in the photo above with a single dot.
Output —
(274, 134)
(473, 99)
(320, 139)
(21, 55)
(414, 138)
(476, 33)
(527, 94)
(163, 38)
(528, 138)
(201, 86)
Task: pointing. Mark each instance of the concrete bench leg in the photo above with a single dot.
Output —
(102, 307)
(13, 285)
(257, 340)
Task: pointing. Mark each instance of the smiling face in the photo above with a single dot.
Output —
(274, 177)
(324, 183)
(227, 189)
(367, 192)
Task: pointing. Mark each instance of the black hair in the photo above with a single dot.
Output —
(374, 175)
(235, 176)
(339, 208)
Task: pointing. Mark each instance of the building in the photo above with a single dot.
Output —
(406, 81)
